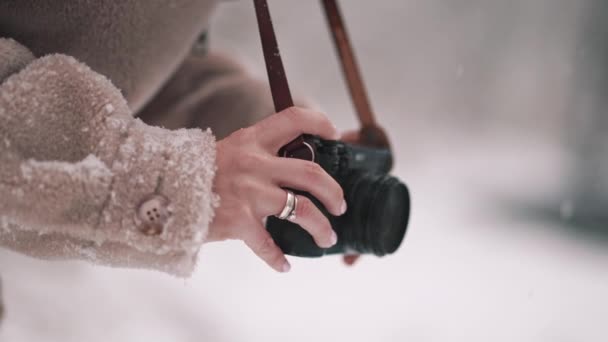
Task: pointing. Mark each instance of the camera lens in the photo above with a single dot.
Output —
(379, 209)
(375, 222)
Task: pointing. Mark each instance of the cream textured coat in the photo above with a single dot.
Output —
(80, 176)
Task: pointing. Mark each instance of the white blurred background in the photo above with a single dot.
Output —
(496, 112)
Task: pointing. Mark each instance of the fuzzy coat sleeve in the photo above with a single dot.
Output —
(80, 178)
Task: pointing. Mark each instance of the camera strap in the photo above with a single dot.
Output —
(370, 134)
(281, 95)
(279, 87)
(349, 63)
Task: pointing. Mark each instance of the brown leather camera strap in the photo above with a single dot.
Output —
(349, 63)
(279, 87)
(274, 64)
(370, 134)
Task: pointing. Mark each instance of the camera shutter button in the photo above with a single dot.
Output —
(154, 214)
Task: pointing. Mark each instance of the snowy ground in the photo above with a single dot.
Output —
(471, 268)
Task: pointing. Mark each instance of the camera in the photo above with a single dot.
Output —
(378, 204)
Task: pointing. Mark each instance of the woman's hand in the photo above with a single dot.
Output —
(250, 178)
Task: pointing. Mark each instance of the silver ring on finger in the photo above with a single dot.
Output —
(289, 211)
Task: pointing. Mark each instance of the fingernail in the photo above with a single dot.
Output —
(343, 207)
(334, 238)
(337, 135)
(286, 267)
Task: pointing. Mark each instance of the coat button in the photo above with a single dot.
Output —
(154, 214)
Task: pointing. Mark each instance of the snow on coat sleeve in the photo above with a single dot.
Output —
(75, 168)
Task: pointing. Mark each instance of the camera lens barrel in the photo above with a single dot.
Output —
(380, 212)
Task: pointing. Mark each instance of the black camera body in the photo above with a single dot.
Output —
(378, 204)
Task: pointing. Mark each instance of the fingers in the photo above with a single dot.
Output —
(309, 177)
(270, 200)
(279, 129)
(310, 218)
(351, 136)
(262, 244)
